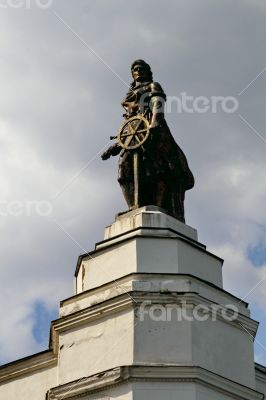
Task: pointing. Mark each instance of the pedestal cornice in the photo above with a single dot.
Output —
(133, 300)
(153, 373)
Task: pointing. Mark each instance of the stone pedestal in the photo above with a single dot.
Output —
(147, 241)
(150, 320)
(151, 312)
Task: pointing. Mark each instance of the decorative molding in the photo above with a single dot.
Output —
(133, 300)
(86, 385)
(152, 233)
(153, 373)
(27, 366)
(260, 372)
(108, 307)
(136, 276)
(134, 235)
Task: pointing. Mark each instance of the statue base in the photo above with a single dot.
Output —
(147, 240)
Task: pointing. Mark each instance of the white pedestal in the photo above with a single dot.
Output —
(145, 241)
(149, 261)
(149, 321)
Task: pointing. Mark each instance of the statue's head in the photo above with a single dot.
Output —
(141, 71)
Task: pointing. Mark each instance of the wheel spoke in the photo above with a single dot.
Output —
(126, 134)
(138, 125)
(143, 130)
(133, 130)
(128, 144)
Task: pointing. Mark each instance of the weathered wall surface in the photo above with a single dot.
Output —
(261, 379)
(110, 344)
(29, 387)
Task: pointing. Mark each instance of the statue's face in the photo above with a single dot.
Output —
(139, 73)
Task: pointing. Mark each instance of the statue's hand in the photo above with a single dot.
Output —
(154, 123)
(113, 150)
(106, 155)
(153, 126)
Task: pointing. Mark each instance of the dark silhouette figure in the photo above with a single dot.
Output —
(156, 171)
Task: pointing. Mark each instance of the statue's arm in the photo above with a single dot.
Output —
(157, 108)
(113, 150)
(157, 104)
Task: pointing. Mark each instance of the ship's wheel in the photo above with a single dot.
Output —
(134, 132)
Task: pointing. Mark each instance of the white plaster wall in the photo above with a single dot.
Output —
(161, 390)
(30, 387)
(217, 346)
(224, 349)
(261, 385)
(97, 346)
(108, 265)
(166, 391)
(204, 393)
(148, 255)
(162, 342)
(145, 217)
(176, 256)
(199, 263)
(121, 392)
(176, 391)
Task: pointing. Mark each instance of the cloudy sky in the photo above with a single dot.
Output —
(64, 70)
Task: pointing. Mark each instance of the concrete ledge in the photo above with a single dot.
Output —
(148, 216)
(147, 254)
(27, 365)
(177, 283)
(153, 373)
(134, 299)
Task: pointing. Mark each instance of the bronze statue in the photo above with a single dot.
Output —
(153, 170)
